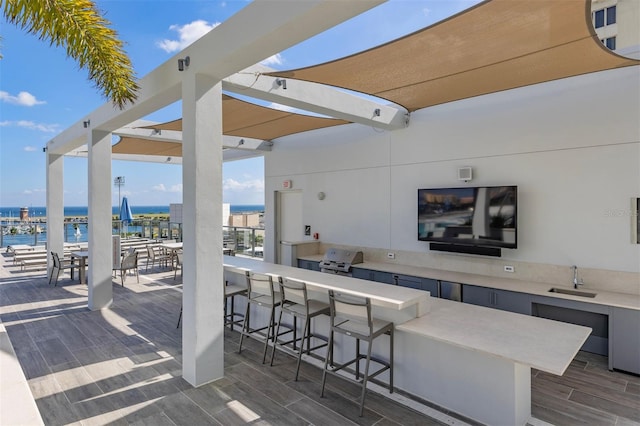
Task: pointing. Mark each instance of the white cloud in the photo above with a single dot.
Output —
(426, 11)
(162, 188)
(30, 148)
(187, 34)
(273, 60)
(22, 99)
(253, 185)
(32, 191)
(42, 127)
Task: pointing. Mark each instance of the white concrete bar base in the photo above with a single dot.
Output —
(480, 386)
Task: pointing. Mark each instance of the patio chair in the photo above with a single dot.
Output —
(230, 249)
(129, 262)
(153, 256)
(178, 265)
(58, 266)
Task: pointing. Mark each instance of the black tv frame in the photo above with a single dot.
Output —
(475, 249)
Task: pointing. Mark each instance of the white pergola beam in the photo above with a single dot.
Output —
(175, 136)
(259, 30)
(316, 98)
(150, 134)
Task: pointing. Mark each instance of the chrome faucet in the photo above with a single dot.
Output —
(576, 281)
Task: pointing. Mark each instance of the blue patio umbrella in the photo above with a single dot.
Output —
(125, 212)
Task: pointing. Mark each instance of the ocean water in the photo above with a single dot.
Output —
(80, 234)
(36, 212)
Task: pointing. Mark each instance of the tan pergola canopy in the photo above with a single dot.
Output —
(494, 46)
(239, 118)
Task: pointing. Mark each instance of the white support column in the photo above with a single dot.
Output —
(55, 206)
(100, 257)
(202, 299)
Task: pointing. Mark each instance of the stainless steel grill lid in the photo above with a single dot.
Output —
(337, 260)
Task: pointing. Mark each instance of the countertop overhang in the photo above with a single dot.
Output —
(535, 342)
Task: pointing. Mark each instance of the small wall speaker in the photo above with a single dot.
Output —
(465, 173)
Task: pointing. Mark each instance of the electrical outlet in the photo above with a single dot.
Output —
(391, 255)
(509, 268)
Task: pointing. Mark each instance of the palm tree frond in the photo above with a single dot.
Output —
(78, 26)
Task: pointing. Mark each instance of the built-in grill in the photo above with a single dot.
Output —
(339, 261)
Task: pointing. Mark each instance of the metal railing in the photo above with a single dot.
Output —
(248, 241)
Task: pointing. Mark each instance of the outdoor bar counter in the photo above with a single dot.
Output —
(472, 360)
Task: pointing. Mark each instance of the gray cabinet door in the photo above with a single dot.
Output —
(363, 274)
(383, 277)
(308, 264)
(498, 299)
(418, 283)
(371, 275)
(626, 340)
(431, 286)
(407, 281)
(512, 301)
(475, 295)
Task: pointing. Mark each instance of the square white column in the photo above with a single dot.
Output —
(55, 206)
(100, 256)
(203, 292)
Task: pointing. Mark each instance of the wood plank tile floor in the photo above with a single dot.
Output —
(122, 366)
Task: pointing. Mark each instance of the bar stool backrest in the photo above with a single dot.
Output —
(259, 284)
(293, 291)
(349, 308)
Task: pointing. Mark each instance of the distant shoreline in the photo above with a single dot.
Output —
(10, 215)
(38, 214)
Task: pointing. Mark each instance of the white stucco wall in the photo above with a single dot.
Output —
(572, 146)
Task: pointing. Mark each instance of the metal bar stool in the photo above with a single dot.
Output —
(230, 292)
(296, 303)
(351, 316)
(260, 292)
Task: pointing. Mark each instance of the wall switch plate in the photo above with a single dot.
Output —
(391, 255)
(509, 268)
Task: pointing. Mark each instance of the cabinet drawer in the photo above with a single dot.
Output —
(407, 281)
(308, 264)
(371, 275)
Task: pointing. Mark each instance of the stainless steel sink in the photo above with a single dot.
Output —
(572, 292)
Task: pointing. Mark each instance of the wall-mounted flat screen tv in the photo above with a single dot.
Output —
(484, 216)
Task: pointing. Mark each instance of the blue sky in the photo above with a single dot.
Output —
(42, 92)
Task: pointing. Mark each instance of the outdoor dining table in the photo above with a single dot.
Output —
(172, 249)
(83, 255)
(172, 246)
